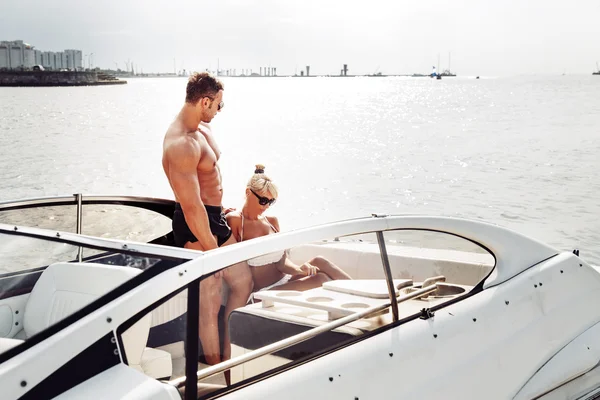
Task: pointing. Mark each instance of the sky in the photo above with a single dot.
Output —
(480, 37)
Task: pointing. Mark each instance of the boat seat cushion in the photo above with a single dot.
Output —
(153, 362)
(64, 288)
(156, 363)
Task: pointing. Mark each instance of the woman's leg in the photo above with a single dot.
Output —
(308, 282)
(328, 268)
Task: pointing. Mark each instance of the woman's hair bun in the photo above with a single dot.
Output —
(260, 169)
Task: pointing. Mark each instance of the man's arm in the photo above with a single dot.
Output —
(183, 176)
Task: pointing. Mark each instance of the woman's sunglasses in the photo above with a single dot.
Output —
(263, 201)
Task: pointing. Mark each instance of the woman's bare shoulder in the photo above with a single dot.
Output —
(273, 221)
(234, 216)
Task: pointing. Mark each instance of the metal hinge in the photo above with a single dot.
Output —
(426, 313)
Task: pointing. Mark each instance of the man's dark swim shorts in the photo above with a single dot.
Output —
(216, 220)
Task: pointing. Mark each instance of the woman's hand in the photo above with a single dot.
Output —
(308, 269)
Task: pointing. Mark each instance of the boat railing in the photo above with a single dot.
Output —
(80, 200)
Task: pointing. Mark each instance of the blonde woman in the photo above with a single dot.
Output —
(275, 270)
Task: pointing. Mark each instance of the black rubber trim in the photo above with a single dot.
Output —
(17, 285)
(172, 331)
(21, 272)
(93, 306)
(191, 346)
(97, 358)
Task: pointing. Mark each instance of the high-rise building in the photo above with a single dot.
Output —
(28, 56)
(48, 60)
(74, 59)
(16, 54)
(38, 57)
(4, 55)
(61, 60)
(19, 55)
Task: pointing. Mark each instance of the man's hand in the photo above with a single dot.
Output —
(228, 210)
(308, 269)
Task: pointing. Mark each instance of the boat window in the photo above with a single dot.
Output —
(420, 254)
(122, 222)
(349, 297)
(22, 253)
(61, 218)
(286, 305)
(288, 309)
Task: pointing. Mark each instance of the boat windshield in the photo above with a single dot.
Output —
(47, 276)
(115, 218)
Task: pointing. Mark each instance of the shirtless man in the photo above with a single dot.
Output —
(190, 156)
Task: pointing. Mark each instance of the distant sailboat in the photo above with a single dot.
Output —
(447, 71)
(597, 72)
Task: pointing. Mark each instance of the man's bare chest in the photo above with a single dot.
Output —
(209, 152)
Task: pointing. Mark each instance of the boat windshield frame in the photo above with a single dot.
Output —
(97, 243)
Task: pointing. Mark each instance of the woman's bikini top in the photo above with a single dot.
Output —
(265, 259)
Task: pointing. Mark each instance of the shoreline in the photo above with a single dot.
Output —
(57, 78)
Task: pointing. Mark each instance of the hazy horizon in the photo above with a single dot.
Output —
(391, 37)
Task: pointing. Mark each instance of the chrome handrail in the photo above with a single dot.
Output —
(71, 199)
(287, 342)
(36, 201)
(78, 229)
(388, 274)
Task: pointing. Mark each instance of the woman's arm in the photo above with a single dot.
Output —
(234, 220)
(287, 266)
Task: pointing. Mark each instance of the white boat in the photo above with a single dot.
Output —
(95, 303)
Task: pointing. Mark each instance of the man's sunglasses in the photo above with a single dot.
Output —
(263, 201)
(220, 105)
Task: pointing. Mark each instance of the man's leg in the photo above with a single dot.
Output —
(239, 279)
(210, 304)
(208, 324)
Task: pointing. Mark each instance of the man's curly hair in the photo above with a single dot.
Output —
(202, 84)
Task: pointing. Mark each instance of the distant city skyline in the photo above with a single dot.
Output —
(496, 39)
(18, 54)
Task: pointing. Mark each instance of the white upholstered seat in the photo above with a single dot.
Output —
(64, 288)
